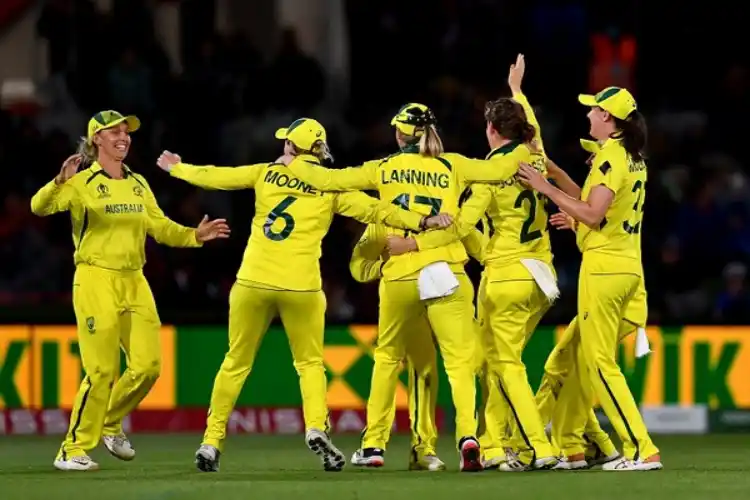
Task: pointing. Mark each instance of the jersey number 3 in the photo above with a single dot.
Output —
(278, 212)
(635, 226)
(526, 232)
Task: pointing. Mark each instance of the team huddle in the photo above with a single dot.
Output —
(433, 211)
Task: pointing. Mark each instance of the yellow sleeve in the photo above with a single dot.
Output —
(162, 228)
(476, 244)
(471, 211)
(531, 117)
(225, 178)
(606, 172)
(346, 179)
(366, 263)
(53, 198)
(499, 168)
(369, 210)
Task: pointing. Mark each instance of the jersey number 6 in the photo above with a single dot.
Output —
(276, 213)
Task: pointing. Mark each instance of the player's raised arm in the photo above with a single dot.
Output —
(168, 232)
(369, 210)
(57, 195)
(515, 81)
(211, 177)
(471, 211)
(367, 259)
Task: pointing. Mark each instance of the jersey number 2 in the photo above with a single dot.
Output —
(635, 227)
(526, 233)
(278, 212)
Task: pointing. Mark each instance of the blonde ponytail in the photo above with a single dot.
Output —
(87, 151)
(430, 143)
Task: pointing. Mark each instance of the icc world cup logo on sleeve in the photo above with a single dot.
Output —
(138, 191)
(103, 191)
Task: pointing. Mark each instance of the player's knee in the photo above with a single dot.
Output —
(101, 375)
(305, 365)
(149, 372)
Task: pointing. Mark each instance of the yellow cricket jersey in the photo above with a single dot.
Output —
(370, 254)
(422, 184)
(111, 218)
(619, 232)
(291, 219)
(516, 214)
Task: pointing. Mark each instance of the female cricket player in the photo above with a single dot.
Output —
(366, 265)
(112, 209)
(609, 214)
(423, 177)
(520, 283)
(280, 275)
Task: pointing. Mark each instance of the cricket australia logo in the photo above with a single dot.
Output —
(91, 324)
(103, 191)
(138, 191)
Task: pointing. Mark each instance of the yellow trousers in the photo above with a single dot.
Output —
(114, 309)
(493, 412)
(252, 307)
(603, 299)
(421, 358)
(558, 366)
(451, 320)
(514, 308)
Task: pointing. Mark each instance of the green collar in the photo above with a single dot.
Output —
(504, 150)
(410, 148)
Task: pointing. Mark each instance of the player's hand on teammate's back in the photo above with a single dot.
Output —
(561, 220)
(69, 168)
(439, 221)
(398, 245)
(532, 177)
(208, 230)
(167, 160)
(515, 74)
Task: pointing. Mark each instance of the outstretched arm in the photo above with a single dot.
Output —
(327, 179)
(465, 225)
(369, 210)
(224, 178)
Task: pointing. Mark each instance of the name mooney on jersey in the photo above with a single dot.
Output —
(411, 176)
(287, 181)
(123, 208)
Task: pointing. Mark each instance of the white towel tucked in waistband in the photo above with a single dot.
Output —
(543, 276)
(436, 280)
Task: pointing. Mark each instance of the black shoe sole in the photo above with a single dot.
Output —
(205, 465)
(332, 461)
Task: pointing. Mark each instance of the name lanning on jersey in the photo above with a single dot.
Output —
(123, 208)
(411, 176)
(288, 181)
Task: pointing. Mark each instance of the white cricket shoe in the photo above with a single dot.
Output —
(82, 463)
(207, 458)
(368, 457)
(625, 464)
(514, 464)
(429, 462)
(320, 443)
(119, 447)
(576, 462)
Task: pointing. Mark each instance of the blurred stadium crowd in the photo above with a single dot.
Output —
(226, 104)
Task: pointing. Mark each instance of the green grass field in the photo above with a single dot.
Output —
(280, 467)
